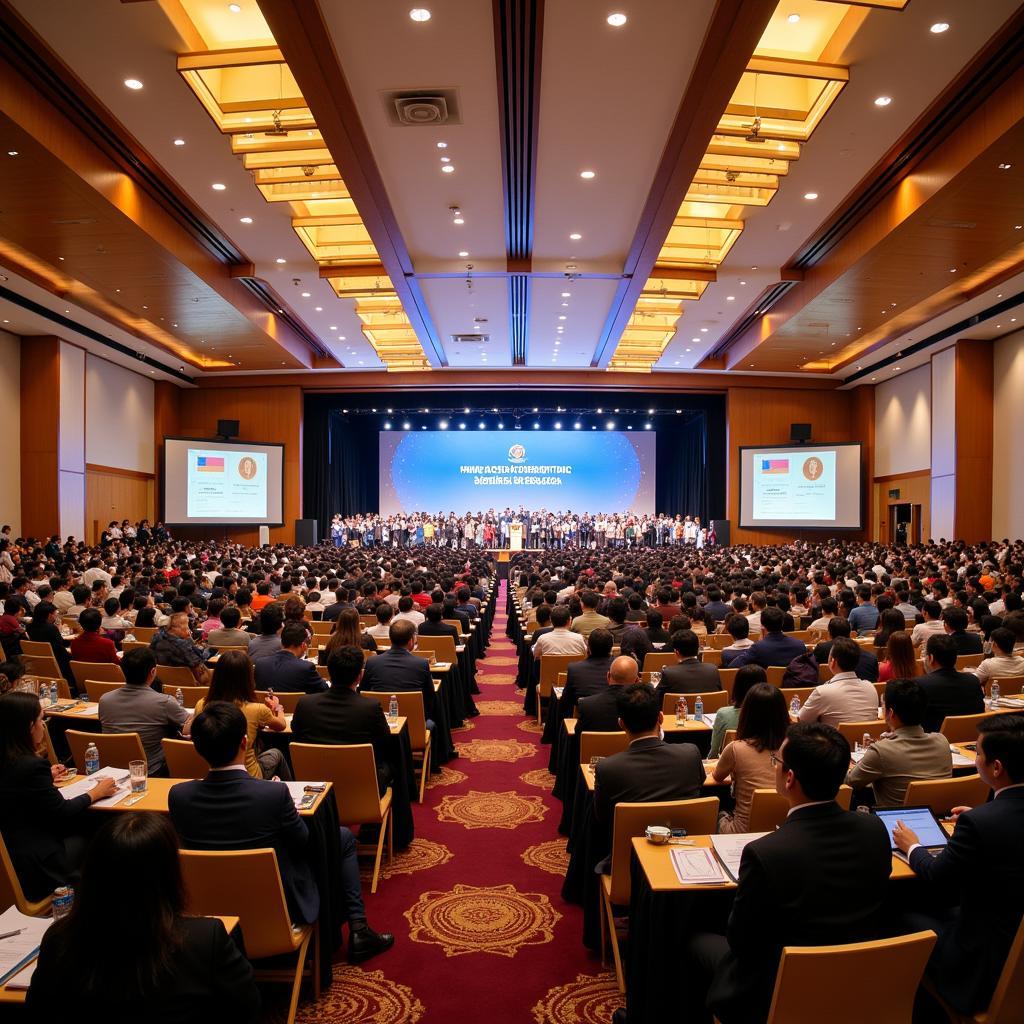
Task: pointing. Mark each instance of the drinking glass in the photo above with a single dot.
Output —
(139, 777)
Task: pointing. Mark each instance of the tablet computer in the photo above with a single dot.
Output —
(921, 821)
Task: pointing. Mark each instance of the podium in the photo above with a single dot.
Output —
(515, 536)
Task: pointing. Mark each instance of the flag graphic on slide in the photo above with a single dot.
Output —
(774, 466)
(209, 464)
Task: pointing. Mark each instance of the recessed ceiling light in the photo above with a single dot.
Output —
(446, 159)
(1017, 227)
(688, 350)
(459, 220)
(442, 145)
(463, 253)
(952, 270)
(703, 330)
(333, 327)
(793, 19)
(235, 8)
(12, 152)
(133, 83)
(588, 175)
(696, 341)
(939, 27)
(575, 236)
(280, 259)
(319, 309)
(616, 20)
(883, 101)
(566, 295)
(179, 142)
(810, 195)
(1005, 167)
(419, 14)
(448, 168)
(218, 186)
(562, 317)
(305, 295)
(730, 298)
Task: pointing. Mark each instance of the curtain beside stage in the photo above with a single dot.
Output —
(340, 451)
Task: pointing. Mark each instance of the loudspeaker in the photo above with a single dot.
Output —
(305, 533)
(721, 532)
(799, 431)
(227, 428)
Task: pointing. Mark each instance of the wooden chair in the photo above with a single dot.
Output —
(601, 744)
(63, 689)
(83, 670)
(711, 656)
(324, 674)
(41, 665)
(36, 649)
(879, 689)
(70, 623)
(222, 883)
(457, 623)
(143, 634)
(719, 640)
(51, 754)
(714, 700)
(442, 646)
(116, 749)
(854, 731)
(133, 645)
(727, 676)
(810, 976)
(429, 656)
(804, 635)
(655, 661)
(941, 795)
(776, 673)
(96, 688)
(173, 676)
(11, 892)
(289, 701)
(367, 621)
(352, 772)
(410, 707)
(962, 728)
(825, 674)
(1007, 684)
(966, 661)
(190, 693)
(550, 666)
(183, 760)
(730, 736)
(768, 810)
(322, 628)
(803, 692)
(699, 818)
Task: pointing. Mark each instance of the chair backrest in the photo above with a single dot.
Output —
(727, 676)
(1008, 997)
(222, 883)
(183, 760)
(143, 633)
(655, 661)
(714, 700)
(190, 693)
(1007, 684)
(116, 749)
(352, 771)
(801, 634)
(719, 640)
(83, 670)
(173, 676)
(40, 665)
(776, 673)
(854, 731)
(768, 811)
(601, 744)
(63, 690)
(879, 689)
(810, 976)
(730, 737)
(711, 656)
(96, 688)
(803, 692)
(322, 628)
(825, 674)
(941, 795)
(325, 674)
(289, 701)
(51, 754)
(961, 728)
(410, 706)
(550, 666)
(966, 661)
(457, 623)
(367, 621)
(426, 655)
(133, 645)
(11, 891)
(442, 646)
(36, 648)
(699, 817)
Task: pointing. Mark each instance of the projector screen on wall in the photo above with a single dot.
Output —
(814, 486)
(557, 470)
(221, 483)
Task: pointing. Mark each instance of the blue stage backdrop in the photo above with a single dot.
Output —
(441, 471)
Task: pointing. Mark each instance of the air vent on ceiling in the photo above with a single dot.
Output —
(430, 107)
(470, 339)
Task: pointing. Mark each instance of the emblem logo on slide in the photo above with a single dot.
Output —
(517, 453)
(247, 468)
(813, 468)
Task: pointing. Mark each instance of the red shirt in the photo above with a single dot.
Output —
(95, 648)
(423, 600)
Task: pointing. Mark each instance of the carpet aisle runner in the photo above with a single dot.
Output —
(481, 932)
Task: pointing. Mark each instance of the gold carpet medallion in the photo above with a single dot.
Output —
(497, 659)
(465, 727)
(539, 777)
(365, 996)
(420, 855)
(590, 999)
(491, 810)
(495, 750)
(499, 707)
(486, 919)
(550, 856)
(496, 678)
(446, 777)
(531, 726)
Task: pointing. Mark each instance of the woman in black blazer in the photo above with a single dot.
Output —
(126, 952)
(41, 828)
(43, 629)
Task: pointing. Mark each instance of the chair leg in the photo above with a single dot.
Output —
(614, 939)
(605, 924)
(316, 961)
(377, 856)
(391, 838)
(297, 983)
(425, 770)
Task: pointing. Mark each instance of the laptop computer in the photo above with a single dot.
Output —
(921, 821)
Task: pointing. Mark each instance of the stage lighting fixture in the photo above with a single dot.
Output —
(577, 425)
(536, 426)
(481, 425)
(466, 411)
(462, 426)
(647, 426)
(444, 424)
(405, 426)
(599, 411)
(558, 425)
(610, 425)
(387, 426)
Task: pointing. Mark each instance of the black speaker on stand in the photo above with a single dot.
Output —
(227, 429)
(800, 432)
(305, 533)
(721, 527)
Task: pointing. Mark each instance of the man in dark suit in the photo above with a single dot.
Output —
(343, 715)
(867, 663)
(589, 676)
(955, 622)
(435, 626)
(287, 670)
(600, 712)
(980, 870)
(784, 898)
(399, 670)
(230, 810)
(688, 675)
(774, 648)
(649, 769)
(949, 692)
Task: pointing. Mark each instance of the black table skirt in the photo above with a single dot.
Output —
(325, 859)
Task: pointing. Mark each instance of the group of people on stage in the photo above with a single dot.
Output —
(535, 529)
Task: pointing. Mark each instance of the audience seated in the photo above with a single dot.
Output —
(845, 697)
(774, 648)
(948, 691)
(728, 717)
(688, 675)
(600, 712)
(287, 670)
(589, 676)
(398, 669)
(89, 644)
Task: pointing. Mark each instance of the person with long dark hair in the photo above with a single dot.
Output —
(42, 830)
(44, 628)
(127, 953)
(346, 633)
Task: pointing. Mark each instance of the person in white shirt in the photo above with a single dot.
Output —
(408, 610)
(561, 640)
(314, 604)
(932, 612)
(384, 616)
(95, 572)
(845, 697)
(829, 609)
(1003, 661)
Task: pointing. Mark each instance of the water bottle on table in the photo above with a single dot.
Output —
(92, 759)
(54, 696)
(393, 708)
(698, 709)
(682, 711)
(994, 693)
(794, 706)
(63, 897)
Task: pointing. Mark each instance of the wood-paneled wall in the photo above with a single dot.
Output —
(757, 416)
(111, 493)
(974, 437)
(40, 436)
(915, 488)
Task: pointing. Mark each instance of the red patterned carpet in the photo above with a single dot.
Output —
(481, 932)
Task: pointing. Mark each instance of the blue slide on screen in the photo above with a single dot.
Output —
(431, 471)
